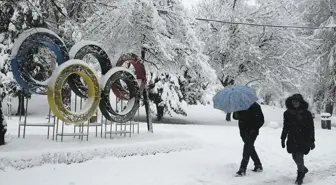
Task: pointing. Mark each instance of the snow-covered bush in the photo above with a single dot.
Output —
(165, 93)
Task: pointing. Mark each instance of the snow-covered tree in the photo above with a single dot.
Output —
(193, 91)
(270, 59)
(323, 14)
(15, 18)
(165, 92)
(170, 93)
(162, 27)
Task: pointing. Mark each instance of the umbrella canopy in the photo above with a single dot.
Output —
(234, 98)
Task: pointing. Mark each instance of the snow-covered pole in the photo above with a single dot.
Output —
(145, 96)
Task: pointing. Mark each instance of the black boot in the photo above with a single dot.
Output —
(258, 169)
(306, 171)
(241, 173)
(299, 178)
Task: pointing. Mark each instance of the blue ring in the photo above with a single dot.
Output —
(27, 82)
(52, 47)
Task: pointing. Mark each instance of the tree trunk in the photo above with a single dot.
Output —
(228, 117)
(329, 107)
(159, 110)
(226, 82)
(318, 107)
(267, 99)
(146, 98)
(21, 108)
(147, 107)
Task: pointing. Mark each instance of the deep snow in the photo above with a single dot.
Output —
(213, 162)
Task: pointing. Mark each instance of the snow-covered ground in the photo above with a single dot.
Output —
(205, 150)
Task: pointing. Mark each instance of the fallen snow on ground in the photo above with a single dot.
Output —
(40, 156)
(214, 164)
(213, 160)
(37, 150)
(273, 124)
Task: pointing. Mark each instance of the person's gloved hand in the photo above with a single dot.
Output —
(283, 143)
(312, 146)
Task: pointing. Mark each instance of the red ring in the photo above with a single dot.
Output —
(140, 73)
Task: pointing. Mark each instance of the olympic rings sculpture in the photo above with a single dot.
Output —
(71, 69)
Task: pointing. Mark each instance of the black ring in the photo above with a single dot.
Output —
(79, 51)
(117, 74)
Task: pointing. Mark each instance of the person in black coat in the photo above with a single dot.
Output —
(250, 121)
(3, 126)
(299, 130)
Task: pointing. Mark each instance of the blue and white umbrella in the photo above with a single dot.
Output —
(234, 98)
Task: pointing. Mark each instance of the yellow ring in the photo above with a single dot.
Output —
(59, 78)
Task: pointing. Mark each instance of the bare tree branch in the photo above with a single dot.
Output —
(58, 8)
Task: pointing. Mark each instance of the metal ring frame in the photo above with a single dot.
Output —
(114, 75)
(136, 62)
(79, 51)
(22, 49)
(57, 82)
(70, 71)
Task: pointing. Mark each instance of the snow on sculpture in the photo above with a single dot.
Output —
(71, 68)
(107, 82)
(128, 60)
(22, 49)
(59, 78)
(79, 51)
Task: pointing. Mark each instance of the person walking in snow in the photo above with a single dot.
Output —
(3, 126)
(299, 130)
(250, 121)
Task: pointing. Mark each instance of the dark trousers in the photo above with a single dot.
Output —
(298, 158)
(2, 138)
(249, 151)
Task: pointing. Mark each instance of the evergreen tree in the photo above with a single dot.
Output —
(165, 93)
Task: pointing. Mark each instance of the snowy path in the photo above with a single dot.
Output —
(215, 164)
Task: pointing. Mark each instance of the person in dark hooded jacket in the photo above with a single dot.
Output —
(299, 130)
(3, 126)
(250, 121)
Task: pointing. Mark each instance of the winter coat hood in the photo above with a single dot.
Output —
(303, 104)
